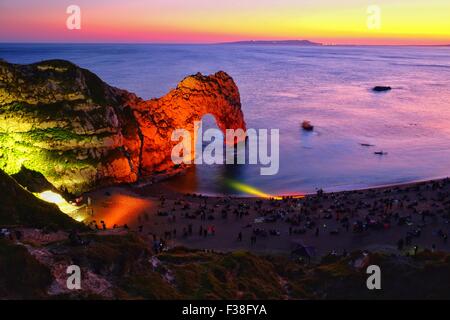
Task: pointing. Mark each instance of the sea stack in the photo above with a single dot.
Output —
(381, 88)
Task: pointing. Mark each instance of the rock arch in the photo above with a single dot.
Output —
(194, 97)
(80, 133)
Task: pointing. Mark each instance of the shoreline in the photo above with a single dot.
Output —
(414, 213)
(150, 186)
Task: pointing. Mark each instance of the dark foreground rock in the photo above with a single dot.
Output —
(18, 207)
(66, 123)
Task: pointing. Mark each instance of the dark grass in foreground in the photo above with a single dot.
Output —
(127, 271)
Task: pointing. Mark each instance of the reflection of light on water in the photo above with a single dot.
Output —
(122, 209)
(254, 191)
(249, 189)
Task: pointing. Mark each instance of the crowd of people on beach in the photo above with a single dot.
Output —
(353, 212)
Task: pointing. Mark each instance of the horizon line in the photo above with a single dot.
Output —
(238, 42)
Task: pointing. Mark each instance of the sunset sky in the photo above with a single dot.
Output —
(206, 21)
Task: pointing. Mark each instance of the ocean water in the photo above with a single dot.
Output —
(281, 86)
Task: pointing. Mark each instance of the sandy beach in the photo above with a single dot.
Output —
(390, 219)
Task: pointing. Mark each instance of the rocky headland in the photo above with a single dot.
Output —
(64, 122)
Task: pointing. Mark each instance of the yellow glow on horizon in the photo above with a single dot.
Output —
(413, 21)
(409, 20)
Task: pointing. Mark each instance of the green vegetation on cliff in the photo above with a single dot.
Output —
(64, 122)
(56, 165)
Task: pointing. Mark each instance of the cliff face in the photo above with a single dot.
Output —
(66, 123)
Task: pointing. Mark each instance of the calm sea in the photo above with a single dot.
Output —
(280, 87)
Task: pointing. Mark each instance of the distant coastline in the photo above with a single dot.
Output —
(276, 42)
(299, 43)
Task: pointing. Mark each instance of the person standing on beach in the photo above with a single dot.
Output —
(400, 244)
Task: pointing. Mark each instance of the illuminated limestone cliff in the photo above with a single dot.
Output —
(66, 123)
(194, 97)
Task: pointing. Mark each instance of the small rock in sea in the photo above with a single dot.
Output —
(307, 126)
(381, 88)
